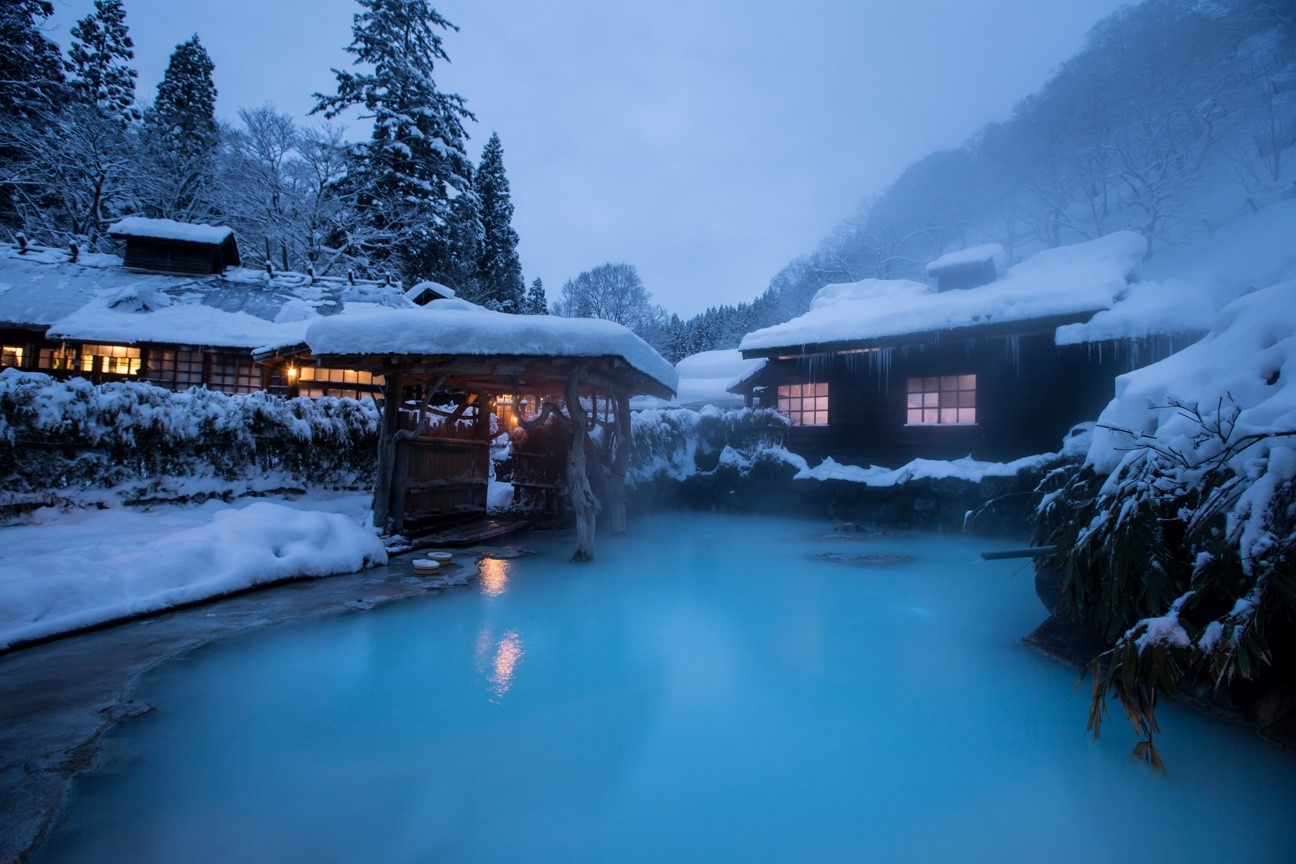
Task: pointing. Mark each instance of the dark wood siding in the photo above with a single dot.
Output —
(174, 256)
(1030, 392)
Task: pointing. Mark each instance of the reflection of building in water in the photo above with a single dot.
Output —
(498, 660)
(494, 576)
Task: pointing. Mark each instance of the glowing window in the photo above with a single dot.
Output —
(12, 355)
(804, 404)
(942, 400)
(113, 359)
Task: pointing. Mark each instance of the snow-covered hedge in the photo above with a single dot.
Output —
(146, 442)
(678, 443)
(1177, 538)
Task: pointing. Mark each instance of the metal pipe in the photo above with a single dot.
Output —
(1029, 552)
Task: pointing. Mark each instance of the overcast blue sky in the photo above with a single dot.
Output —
(707, 142)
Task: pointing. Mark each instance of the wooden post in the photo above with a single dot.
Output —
(386, 449)
(578, 485)
(616, 491)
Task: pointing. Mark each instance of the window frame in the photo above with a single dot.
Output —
(941, 400)
(798, 401)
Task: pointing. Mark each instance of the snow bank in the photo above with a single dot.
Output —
(1240, 381)
(967, 469)
(1070, 280)
(65, 571)
(441, 329)
(678, 443)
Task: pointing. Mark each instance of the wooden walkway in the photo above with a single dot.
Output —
(470, 533)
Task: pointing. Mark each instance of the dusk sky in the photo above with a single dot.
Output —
(707, 143)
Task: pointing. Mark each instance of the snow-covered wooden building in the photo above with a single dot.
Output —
(177, 311)
(460, 362)
(984, 360)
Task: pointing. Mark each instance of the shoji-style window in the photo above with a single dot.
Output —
(943, 400)
(804, 404)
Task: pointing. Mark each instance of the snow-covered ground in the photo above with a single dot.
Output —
(64, 570)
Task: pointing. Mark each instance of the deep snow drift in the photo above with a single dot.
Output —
(64, 570)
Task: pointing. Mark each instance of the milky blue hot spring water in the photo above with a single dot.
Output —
(708, 690)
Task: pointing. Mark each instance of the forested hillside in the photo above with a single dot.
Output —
(77, 154)
(1176, 116)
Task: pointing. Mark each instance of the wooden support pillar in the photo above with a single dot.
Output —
(578, 485)
(386, 450)
(616, 491)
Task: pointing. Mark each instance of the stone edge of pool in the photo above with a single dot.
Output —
(59, 697)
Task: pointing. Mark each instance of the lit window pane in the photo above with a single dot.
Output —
(944, 399)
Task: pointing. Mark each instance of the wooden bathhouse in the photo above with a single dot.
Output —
(983, 361)
(449, 369)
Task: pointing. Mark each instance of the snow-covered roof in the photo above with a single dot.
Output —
(985, 253)
(168, 229)
(706, 378)
(1149, 309)
(1068, 281)
(454, 328)
(435, 288)
(97, 299)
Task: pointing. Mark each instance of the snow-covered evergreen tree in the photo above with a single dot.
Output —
(535, 302)
(181, 136)
(31, 67)
(499, 270)
(414, 166)
(98, 60)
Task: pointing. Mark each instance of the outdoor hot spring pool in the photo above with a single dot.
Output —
(708, 690)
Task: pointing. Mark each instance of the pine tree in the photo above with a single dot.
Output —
(535, 302)
(97, 60)
(499, 270)
(31, 67)
(181, 135)
(415, 165)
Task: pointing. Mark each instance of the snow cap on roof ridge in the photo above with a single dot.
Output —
(169, 229)
(991, 252)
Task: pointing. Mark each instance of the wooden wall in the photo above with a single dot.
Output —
(1029, 393)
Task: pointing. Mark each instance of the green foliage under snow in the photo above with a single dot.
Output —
(147, 442)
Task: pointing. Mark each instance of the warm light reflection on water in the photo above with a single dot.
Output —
(507, 654)
(498, 661)
(494, 576)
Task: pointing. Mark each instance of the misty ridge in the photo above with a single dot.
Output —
(1174, 118)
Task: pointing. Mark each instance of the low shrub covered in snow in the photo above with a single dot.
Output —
(678, 443)
(146, 442)
(1177, 537)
